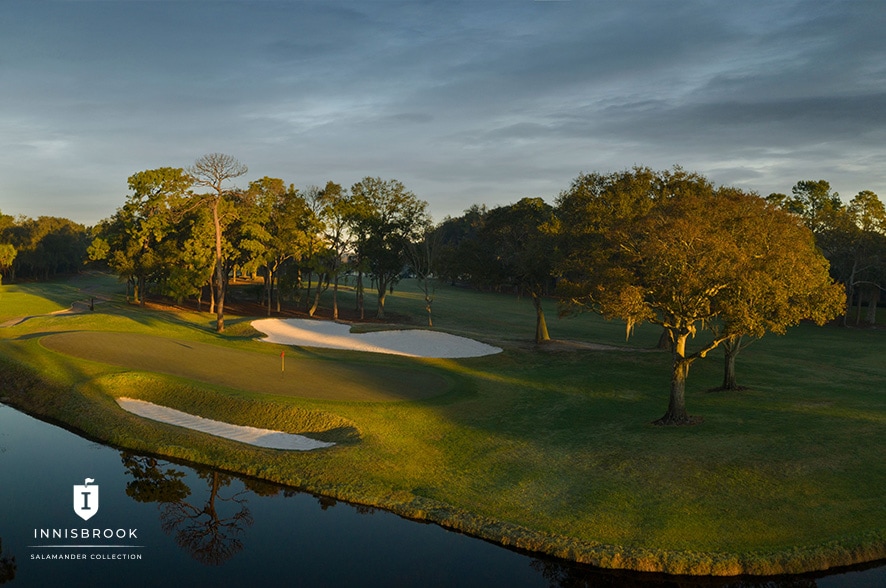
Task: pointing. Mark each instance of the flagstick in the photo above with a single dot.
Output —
(282, 362)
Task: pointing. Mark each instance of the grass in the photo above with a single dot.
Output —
(308, 377)
(547, 449)
(21, 300)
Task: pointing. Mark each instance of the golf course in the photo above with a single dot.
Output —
(547, 448)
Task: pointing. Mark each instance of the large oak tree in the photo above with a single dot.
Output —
(695, 257)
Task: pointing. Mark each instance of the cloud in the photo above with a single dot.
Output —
(464, 101)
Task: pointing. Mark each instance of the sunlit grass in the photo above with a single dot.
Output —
(547, 448)
(34, 299)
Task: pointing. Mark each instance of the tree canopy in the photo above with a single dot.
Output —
(385, 217)
(695, 259)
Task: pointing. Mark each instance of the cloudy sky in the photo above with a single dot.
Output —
(464, 102)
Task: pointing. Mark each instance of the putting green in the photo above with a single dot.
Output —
(322, 379)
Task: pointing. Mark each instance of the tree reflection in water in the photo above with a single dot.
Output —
(151, 483)
(7, 566)
(210, 532)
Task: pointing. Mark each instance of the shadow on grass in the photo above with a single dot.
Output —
(323, 379)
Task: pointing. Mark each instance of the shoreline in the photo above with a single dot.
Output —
(866, 548)
(78, 394)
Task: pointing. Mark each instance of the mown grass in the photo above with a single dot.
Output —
(548, 449)
(21, 300)
(254, 371)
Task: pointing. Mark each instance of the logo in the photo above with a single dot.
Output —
(86, 499)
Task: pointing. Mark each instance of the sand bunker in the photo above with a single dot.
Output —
(250, 435)
(330, 335)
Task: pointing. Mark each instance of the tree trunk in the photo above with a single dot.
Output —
(219, 270)
(541, 326)
(664, 341)
(861, 293)
(676, 414)
(428, 301)
(335, 299)
(360, 293)
(382, 293)
(850, 288)
(871, 316)
(317, 294)
(270, 286)
(308, 291)
(731, 348)
(141, 290)
(220, 301)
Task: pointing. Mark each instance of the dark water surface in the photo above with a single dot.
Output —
(161, 523)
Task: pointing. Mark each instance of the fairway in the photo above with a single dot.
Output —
(322, 379)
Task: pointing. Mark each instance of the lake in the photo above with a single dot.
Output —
(137, 520)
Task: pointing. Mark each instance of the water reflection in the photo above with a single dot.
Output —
(209, 530)
(212, 529)
(204, 527)
(7, 566)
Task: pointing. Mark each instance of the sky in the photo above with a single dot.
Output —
(475, 102)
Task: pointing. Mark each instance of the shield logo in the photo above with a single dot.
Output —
(86, 499)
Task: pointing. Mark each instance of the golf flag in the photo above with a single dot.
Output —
(282, 361)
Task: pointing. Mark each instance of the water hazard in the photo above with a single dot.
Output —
(77, 513)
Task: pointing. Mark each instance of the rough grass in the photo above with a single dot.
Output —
(548, 449)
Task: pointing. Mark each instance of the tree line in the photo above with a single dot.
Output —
(171, 236)
(40, 248)
(666, 247)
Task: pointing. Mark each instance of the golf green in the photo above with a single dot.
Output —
(323, 378)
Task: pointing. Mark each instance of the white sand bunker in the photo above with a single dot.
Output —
(250, 435)
(330, 335)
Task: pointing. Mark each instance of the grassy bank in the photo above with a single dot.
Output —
(548, 449)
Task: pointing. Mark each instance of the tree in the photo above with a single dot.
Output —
(785, 278)
(695, 258)
(334, 211)
(276, 230)
(189, 251)
(422, 255)
(851, 238)
(7, 256)
(868, 214)
(520, 241)
(384, 217)
(461, 256)
(815, 203)
(45, 246)
(134, 241)
(213, 171)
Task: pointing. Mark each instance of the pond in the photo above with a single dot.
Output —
(137, 520)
